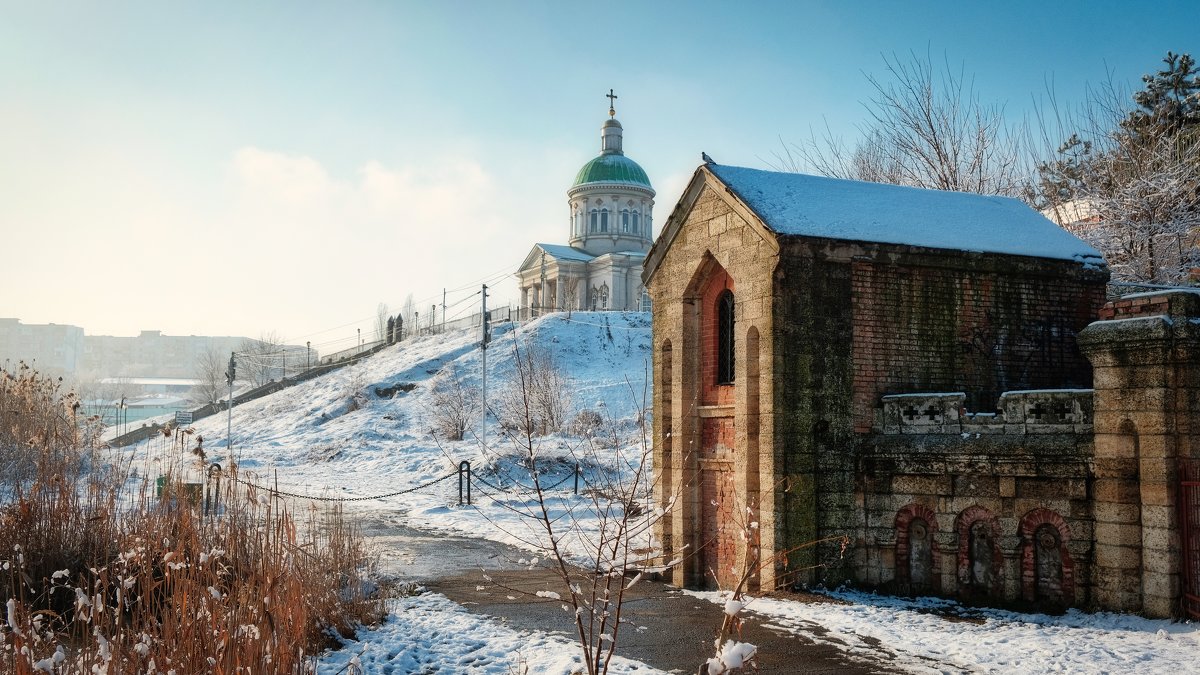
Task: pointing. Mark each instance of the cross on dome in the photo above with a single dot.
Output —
(612, 111)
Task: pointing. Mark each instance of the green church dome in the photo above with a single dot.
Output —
(612, 168)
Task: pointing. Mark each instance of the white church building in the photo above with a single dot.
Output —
(600, 268)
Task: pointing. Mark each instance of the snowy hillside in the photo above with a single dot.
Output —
(366, 429)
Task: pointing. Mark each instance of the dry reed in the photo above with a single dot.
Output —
(99, 575)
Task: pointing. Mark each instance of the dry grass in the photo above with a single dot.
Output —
(95, 578)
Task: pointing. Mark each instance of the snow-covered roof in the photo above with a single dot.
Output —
(799, 204)
(562, 252)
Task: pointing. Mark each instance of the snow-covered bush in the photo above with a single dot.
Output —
(454, 404)
(586, 423)
(538, 400)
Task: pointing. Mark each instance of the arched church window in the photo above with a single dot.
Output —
(634, 223)
(725, 337)
(604, 296)
(595, 221)
(604, 220)
(624, 220)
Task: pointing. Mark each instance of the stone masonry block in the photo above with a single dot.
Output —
(1111, 491)
(922, 485)
(1119, 580)
(1157, 494)
(1111, 446)
(1161, 585)
(1007, 486)
(1134, 398)
(1109, 422)
(1163, 543)
(1119, 534)
(1118, 557)
(1117, 513)
(1163, 517)
(1156, 446)
(1157, 606)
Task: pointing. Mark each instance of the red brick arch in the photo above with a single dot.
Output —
(708, 283)
(904, 518)
(962, 526)
(1029, 525)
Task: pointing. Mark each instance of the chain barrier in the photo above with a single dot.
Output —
(465, 479)
(345, 499)
(473, 477)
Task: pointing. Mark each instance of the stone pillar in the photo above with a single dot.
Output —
(1145, 360)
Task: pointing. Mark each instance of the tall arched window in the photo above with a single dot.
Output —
(594, 225)
(604, 220)
(624, 220)
(636, 222)
(725, 337)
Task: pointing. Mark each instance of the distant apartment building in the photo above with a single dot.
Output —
(65, 350)
(53, 349)
(150, 354)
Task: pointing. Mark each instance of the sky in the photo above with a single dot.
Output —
(226, 168)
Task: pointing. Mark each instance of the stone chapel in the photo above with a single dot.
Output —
(611, 207)
(909, 389)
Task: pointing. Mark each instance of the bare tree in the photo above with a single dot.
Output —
(260, 361)
(615, 536)
(1127, 178)
(381, 322)
(408, 312)
(923, 130)
(209, 371)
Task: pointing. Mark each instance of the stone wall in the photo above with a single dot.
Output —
(990, 508)
(1147, 374)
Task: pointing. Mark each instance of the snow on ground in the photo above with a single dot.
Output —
(933, 635)
(336, 436)
(431, 634)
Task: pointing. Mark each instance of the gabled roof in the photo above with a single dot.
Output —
(566, 252)
(832, 208)
(553, 253)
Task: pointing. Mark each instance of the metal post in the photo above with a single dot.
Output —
(214, 493)
(464, 474)
(307, 355)
(230, 375)
(483, 343)
(576, 477)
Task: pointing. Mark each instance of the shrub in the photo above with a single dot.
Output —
(538, 400)
(453, 405)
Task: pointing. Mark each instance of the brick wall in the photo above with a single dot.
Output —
(1141, 304)
(966, 322)
(711, 393)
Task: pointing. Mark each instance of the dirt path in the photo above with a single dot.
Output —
(666, 628)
